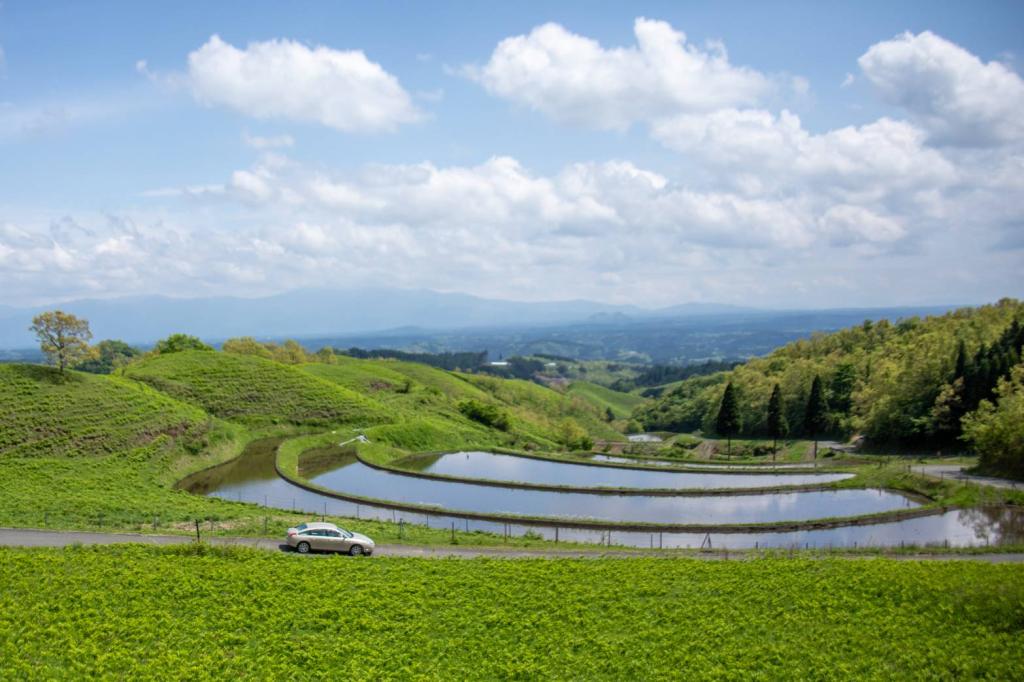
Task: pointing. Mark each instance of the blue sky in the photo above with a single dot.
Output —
(797, 155)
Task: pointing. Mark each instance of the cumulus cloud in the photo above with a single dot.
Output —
(500, 200)
(880, 157)
(288, 80)
(610, 230)
(274, 142)
(958, 98)
(574, 79)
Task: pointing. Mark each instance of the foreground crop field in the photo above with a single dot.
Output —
(135, 612)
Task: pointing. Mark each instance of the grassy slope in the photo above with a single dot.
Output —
(255, 391)
(191, 613)
(427, 415)
(44, 414)
(621, 404)
(89, 445)
(541, 409)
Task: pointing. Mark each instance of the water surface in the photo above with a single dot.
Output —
(252, 478)
(501, 467)
(767, 466)
(355, 478)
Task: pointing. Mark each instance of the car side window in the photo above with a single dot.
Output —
(333, 534)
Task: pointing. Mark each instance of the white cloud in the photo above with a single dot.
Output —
(274, 142)
(869, 160)
(848, 80)
(190, 191)
(286, 79)
(847, 224)
(958, 98)
(574, 79)
(250, 185)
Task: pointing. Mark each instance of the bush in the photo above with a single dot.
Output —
(488, 415)
(176, 343)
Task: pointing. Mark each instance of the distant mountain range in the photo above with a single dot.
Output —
(435, 322)
(315, 312)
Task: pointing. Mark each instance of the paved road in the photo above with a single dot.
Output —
(957, 472)
(32, 537)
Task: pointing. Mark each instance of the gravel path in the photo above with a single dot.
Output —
(32, 537)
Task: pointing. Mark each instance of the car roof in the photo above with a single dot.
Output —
(320, 524)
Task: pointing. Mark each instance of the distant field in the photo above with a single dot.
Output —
(621, 404)
(187, 613)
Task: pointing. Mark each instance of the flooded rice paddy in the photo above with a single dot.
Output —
(252, 478)
(502, 467)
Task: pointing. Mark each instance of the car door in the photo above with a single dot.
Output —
(317, 539)
(336, 541)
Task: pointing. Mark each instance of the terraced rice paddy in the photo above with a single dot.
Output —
(512, 468)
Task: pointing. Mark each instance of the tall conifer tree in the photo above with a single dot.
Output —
(777, 426)
(816, 415)
(728, 423)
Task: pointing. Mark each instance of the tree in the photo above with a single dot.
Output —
(573, 436)
(63, 338)
(728, 422)
(816, 414)
(960, 365)
(842, 387)
(291, 353)
(609, 416)
(997, 430)
(777, 426)
(175, 343)
(109, 354)
(246, 345)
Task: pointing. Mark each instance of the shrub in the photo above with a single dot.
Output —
(488, 415)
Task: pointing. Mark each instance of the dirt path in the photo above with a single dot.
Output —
(32, 537)
(955, 471)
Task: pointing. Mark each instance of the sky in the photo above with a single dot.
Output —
(788, 155)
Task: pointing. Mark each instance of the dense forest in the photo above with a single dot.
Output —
(910, 383)
(656, 375)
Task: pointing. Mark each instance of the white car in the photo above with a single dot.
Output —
(326, 537)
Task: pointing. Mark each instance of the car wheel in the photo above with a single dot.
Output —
(302, 548)
(356, 550)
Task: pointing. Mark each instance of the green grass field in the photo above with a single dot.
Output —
(199, 613)
(253, 390)
(85, 415)
(621, 404)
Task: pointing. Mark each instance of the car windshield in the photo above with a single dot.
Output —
(301, 526)
(345, 533)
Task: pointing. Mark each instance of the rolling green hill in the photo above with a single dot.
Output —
(93, 449)
(621, 404)
(906, 383)
(425, 401)
(253, 390)
(45, 414)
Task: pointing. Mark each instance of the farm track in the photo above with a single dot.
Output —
(33, 537)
